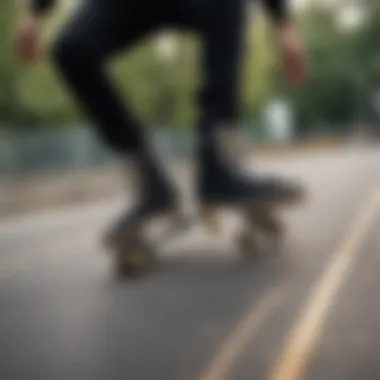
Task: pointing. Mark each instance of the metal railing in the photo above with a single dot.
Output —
(70, 149)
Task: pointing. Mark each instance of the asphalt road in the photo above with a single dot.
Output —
(309, 310)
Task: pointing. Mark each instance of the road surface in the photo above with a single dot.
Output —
(309, 310)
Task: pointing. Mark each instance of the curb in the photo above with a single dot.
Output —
(24, 195)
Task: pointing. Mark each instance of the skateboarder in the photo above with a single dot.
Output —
(101, 28)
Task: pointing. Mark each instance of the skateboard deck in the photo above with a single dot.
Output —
(134, 254)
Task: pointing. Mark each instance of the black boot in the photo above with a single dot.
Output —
(221, 181)
(156, 195)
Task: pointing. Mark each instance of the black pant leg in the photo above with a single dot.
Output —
(222, 36)
(100, 28)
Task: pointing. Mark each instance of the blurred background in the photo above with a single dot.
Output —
(303, 308)
(41, 129)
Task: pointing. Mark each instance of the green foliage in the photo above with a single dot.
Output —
(258, 67)
(344, 67)
(8, 69)
(345, 70)
(159, 90)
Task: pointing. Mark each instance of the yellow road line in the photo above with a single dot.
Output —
(303, 338)
(235, 344)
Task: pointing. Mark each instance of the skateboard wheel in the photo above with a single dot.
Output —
(114, 239)
(270, 224)
(134, 261)
(248, 244)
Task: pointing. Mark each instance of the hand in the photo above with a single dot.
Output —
(292, 55)
(28, 39)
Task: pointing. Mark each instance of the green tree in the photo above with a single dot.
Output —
(8, 70)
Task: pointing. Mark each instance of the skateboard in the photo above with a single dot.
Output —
(134, 254)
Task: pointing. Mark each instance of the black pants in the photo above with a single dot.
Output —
(101, 28)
